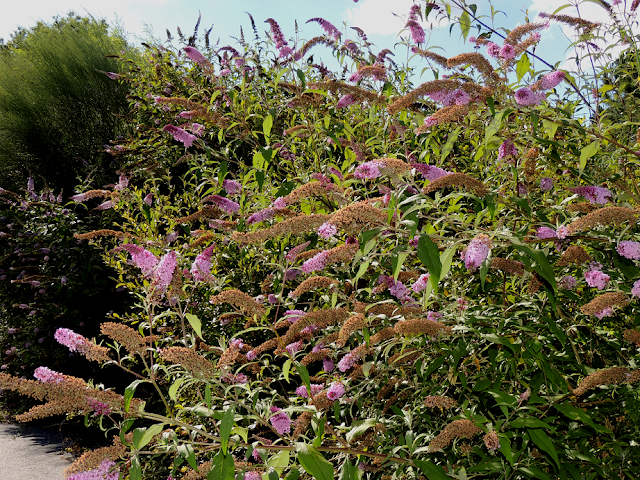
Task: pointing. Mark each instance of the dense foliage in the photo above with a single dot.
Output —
(58, 106)
(342, 273)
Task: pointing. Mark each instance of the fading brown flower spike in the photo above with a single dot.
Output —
(313, 189)
(357, 216)
(440, 401)
(457, 429)
(132, 341)
(607, 300)
(196, 364)
(353, 323)
(633, 336)
(457, 180)
(607, 376)
(93, 458)
(509, 266)
(601, 217)
(102, 233)
(358, 94)
(574, 254)
(575, 22)
(293, 226)
(247, 305)
(476, 59)
(419, 326)
(312, 284)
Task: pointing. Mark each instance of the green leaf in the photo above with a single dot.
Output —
(446, 259)
(195, 323)
(279, 461)
(505, 448)
(586, 153)
(431, 470)
(349, 471)
(361, 428)
(535, 473)
(267, 123)
(222, 468)
(304, 375)
(313, 462)
(186, 451)
(396, 263)
(528, 422)
(286, 369)
(147, 435)
(294, 474)
(448, 146)
(465, 24)
(543, 442)
(550, 128)
(135, 471)
(579, 415)
(129, 391)
(523, 66)
(544, 268)
(430, 257)
(222, 172)
(226, 424)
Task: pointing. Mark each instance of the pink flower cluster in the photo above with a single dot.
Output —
(506, 52)
(316, 388)
(368, 170)
(348, 361)
(327, 230)
(280, 421)
(635, 290)
(450, 97)
(180, 135)
(295, 251)
(72, 340)
(430, 172)
(223, 203)
(595, 277)
(552, 80)
(164, 271)
(525, 96)
(420, 284)
(507, 149)
(417, 32)
(261, 216)
(477, 251)
(597, 195)
(546, 184)
(345, 101)
(232, 187)
(201, 266)
(335, 391)
(46, 375)
(629, 249)
(281, 44)
(318, 262)
(98, 407)
(195, 56)
(327, 27)
(106, 471)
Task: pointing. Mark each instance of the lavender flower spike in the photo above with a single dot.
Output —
(327, 27)
(223, 203)
(180, 135)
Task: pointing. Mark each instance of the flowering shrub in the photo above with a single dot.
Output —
(385, 287)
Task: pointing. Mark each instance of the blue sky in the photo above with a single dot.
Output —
(375, 17)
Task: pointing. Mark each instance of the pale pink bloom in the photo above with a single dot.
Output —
(327, 27)
(546, 184)
(335, 391)
(507, 149)
(251, 355)
(368, 170)
(345, 101)
(201, 267)
(327, 230)
(302, 391)
(195, 56)
(605, 312)
(336, 172)
(142, 258)
(315, 263)
(567, 282)
(327, 364)
(106, 205)
(526, 96)
(430, 172)
(596, 278)
(552, 80)
(417, 32)
(231, 187)
(180, 135)
(546, 232)
(493, 50)
(294, 315)
(294, 347)
(635, 290)
(421, 283)
(223, 203)
(458, 96)
(164, 271)
(593, 194)
(477, 252)
(98, 407)
(507, 52)
(280, 203)
(72, 340)
(148, 199)
(629, 249)
(261, 216)
(295, 251)
(430, 121)
(46, 375)
(280, 421)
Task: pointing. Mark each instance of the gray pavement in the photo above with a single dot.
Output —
(29, 453)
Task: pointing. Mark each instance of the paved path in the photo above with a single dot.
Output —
(29, 453)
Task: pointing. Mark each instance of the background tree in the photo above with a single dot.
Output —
(57, 106)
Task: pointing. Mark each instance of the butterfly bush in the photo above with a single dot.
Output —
(450, 188)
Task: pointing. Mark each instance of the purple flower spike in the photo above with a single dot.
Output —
(180, 135)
